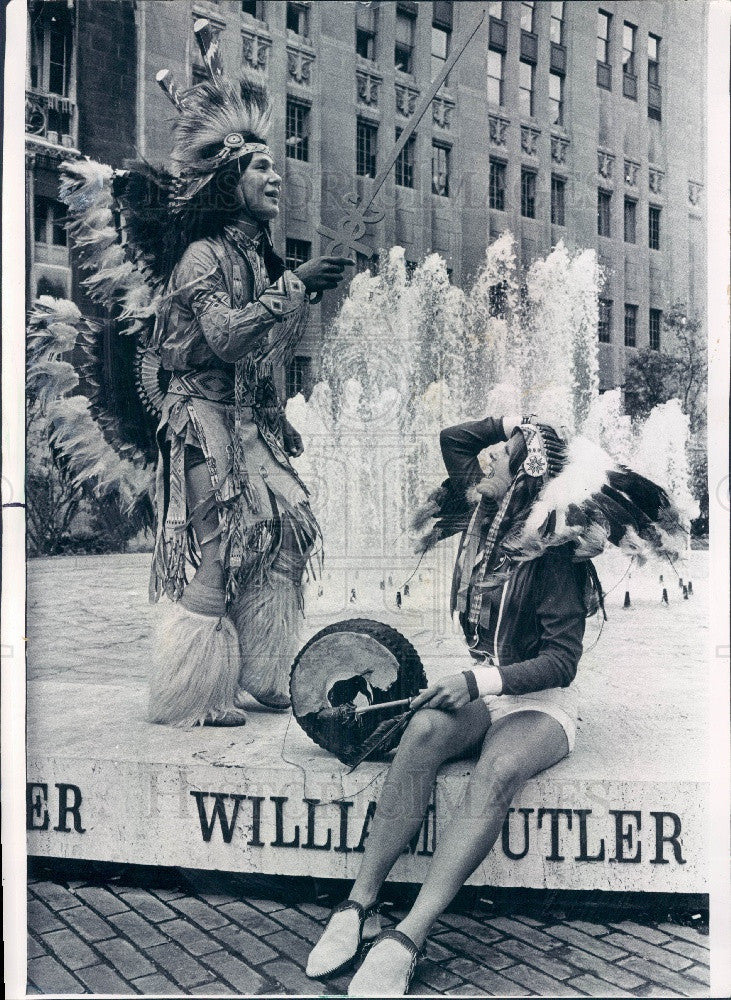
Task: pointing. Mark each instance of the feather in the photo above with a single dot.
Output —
(383, 738)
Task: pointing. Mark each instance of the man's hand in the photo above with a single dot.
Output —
(449, 694)
(322, 273)
(293, 445)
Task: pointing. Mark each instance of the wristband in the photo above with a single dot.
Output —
(471, 685)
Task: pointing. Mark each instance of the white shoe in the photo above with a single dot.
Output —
(387, 968)
(349, 925)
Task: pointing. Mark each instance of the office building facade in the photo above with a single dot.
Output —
(579, 121)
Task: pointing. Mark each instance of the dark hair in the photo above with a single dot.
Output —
(518, 452)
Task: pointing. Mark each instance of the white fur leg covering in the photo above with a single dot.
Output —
(195, 668)
(267, 618)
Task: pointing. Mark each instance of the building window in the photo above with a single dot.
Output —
(558, 201)
(298, 251)
(630, 326)
(298, 18)
(630, 220)
(495, 74)
(365, 31)
(605, 321)
(655, 324)
(654, 228)
(629, 33)
(297, 142)
(527, 76)
(528, 193)
(555, 96)
(603, 36)
(366, 145)
(557, 23)
(441, 36)
(527, 11)
(49, 219)
(498, 172)
(629, 76)
(440, 157)
(654, 93)
(298, 375)
(604, 213)
(604, 25)
(51, 48)
(404, 49)
(405, 161)
(252, 8)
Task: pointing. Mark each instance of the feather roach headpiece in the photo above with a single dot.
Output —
(220, 120)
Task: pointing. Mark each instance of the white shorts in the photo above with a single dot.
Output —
(561, 703)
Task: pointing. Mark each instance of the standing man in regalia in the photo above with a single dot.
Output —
(229, 501)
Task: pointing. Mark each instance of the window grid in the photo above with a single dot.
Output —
(527, 78)
(555, 96)
(250, 7)
(498, 172)
(298, 251)
(604, 213)
(49, 221)
(629, 33)
(365, 32)
(630, 326)
(298, 372)
(298, 18)
(654, 228)
(495, 74)
(604, 329)
(604, 25)
(366, 148)
(440, 164)
(404, 45)
(655, 325)
(528, 193)
(630, 220)
(558, 201)
(405, 162)
(297, 142)
(557, 13)
(653, 59)
(527, 12)
(440, 40)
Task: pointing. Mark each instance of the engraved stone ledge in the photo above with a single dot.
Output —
(442, 109)
(498, 128)
(299, 65)
(656, 180)
(559, 145)
(605, 164)
(631, 173)
(529, 139)
(255, 48)
(406, 98)
(368, 86)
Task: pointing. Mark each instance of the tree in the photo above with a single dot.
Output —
(653, 377)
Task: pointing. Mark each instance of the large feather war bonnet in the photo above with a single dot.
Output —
(219, 120)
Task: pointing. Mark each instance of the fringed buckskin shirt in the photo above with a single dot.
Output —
(531, 622)
(225, 325)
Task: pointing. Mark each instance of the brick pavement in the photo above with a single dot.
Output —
(169, 932)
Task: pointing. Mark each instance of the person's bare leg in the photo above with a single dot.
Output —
(432, 737)
(515, 748)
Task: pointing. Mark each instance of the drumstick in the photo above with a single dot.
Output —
(384, 704)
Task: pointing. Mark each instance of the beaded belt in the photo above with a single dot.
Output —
(215, 386)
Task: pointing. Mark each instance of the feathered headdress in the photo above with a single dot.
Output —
(220, 120)
(585, 499)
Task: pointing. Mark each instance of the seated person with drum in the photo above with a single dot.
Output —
(523, 586)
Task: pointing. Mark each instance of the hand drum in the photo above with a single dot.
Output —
(347, 666)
